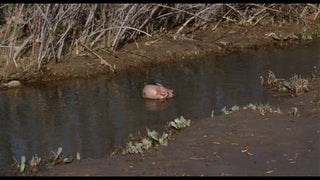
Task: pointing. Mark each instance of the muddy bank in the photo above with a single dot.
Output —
(251, 144)
(149, 52)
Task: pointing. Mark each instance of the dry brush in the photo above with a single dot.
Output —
(46, 32)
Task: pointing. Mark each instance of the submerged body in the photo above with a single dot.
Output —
(156, 91)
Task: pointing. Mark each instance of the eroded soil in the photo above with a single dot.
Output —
(160, 49)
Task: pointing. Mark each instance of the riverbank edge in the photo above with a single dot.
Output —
(146, 53)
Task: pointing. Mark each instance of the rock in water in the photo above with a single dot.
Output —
(11, 84)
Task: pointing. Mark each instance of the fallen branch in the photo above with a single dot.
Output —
(124, 27)
(20, 48)
(224, 16)
(104, 62)
(267, 14)
(315, 7)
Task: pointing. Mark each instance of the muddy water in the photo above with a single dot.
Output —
(95, 116)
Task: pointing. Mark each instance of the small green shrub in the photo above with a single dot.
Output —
(180, 123)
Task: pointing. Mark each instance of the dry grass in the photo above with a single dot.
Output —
(299, 85)
(45, 32)
(294, 86)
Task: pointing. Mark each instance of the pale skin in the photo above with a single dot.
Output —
(157, 91)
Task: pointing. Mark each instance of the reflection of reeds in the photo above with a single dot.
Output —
(46, 32)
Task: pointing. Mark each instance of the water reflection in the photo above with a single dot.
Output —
(94, 116)
(156, 105)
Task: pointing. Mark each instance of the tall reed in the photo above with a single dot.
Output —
(46, 32)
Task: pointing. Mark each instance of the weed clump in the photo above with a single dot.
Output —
(180, 123)
(25, 168)
(261, 108)
(234, 108)
(294, 86)
(139, 144)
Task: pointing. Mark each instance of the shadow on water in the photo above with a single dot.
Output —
(95, 116)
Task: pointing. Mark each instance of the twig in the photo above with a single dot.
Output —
(315, 17)
(235, 10)
(265, 7)
(196, 15)
(120, 32)
(301, 19)
(104, 62)
(184, 11)
(15, 47)
(215, 27)
(260, 19)
(124, 27)
(249, 20)
(20, 48)
(44, 15)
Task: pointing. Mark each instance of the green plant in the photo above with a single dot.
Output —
(251, 106)
(180, 123)
(265, 107)
(234, 108)
(305, 36)
(212, 113)
(59, 158)
(113, 68)
(57, 155)
(25, 168)
(78, 156)
(134, 148)
(23, 164)
(163, 140)
(30, 168)
(224, 111)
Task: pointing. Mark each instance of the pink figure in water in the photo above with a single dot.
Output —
(157, 91)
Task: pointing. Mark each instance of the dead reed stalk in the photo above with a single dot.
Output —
(50, 31)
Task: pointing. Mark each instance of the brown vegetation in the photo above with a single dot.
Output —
(32, 35)
(294, 86)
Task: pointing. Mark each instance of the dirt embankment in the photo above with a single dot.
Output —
(149, 52)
